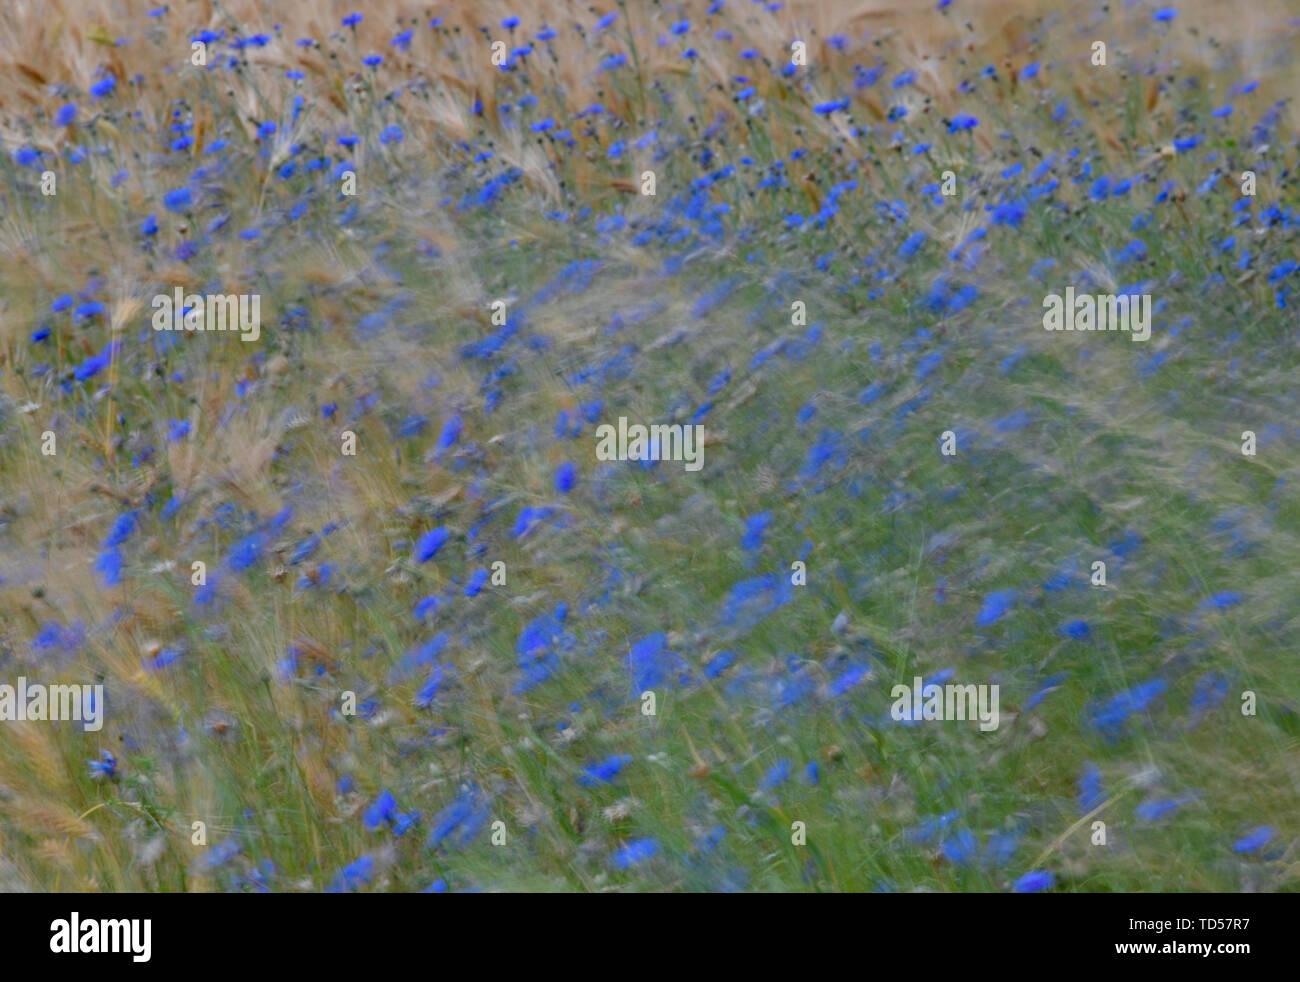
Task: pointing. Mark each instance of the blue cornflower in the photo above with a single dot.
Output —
(755, 527)
(106, 766)
(178, 200)
(103, 87)
(476, 582)
(636, 851)
(995, 607)
(303, 551)
(451, 431)
(1226, 598)
(1092, 791)
(121, 530)
(1255, 840)
(359, 872)
(1033, 882)
(960, 848)
(109, 565)
(911, 245)
(777, 774)
(161, 660)
(430, 543)
(381, 811)
(565, 477)
(1158, 808)
(1076, 629)
(527, 519)
(246, 551)
(412, 426)
(603, 772)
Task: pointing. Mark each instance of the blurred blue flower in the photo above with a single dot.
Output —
(1091, 790)
(246, 552)
(1219, 601)
(911, 245)
(960, 848)
(1158, 808)
(105, 767)
(121, 530)
(1254, 841)
(178, 200)
(109, 566)
(430, 543)
(1076, 629)
(636, 851)
(475, 585)
(565, 477)
(603, 772)
(381, 811)
(359, 872)
(1033, 882)
(995, 607)
(104, 86)
(755, 528)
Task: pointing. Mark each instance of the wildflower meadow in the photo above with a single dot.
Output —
(649, 446)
